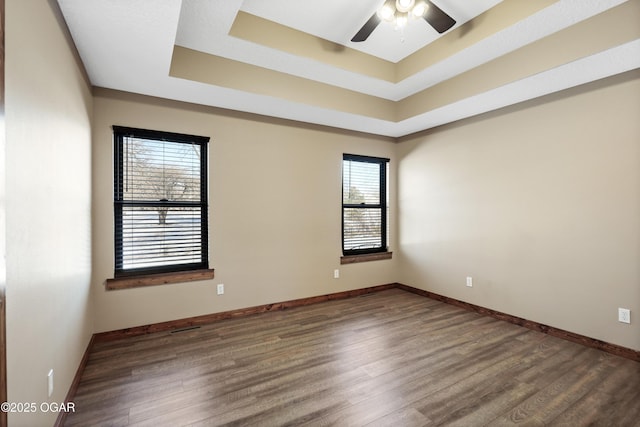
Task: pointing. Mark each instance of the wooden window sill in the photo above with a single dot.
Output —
(352, 259)
(158, 279)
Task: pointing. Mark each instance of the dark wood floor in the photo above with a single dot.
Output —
(388, 358)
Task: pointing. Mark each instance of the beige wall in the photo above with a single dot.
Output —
(48, 122)
(275, 191)
(540, 204)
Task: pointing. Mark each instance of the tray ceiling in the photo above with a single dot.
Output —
(284, 59)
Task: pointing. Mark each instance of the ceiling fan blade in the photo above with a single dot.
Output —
(367, 29)
(438, 19)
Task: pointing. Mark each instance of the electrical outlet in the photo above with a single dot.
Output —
(50, 382)
(336, 274)
(624, 315)
(220, 289)
(470, 281)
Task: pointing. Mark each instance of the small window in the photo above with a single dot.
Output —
(364, 204)
(160, 202)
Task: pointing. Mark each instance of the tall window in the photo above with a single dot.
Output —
(160, 202)
(364, 204)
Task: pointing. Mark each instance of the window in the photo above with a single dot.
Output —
(160, 202)
(364, 205)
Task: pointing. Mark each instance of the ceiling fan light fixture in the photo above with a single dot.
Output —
(419, 9)
(401, 19)
(387, 11)
(398, 12)
(404, 6)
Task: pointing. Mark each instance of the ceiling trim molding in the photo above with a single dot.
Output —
(571, 44)
(566, 46)
(135, 47)
(270, 34)
(218, 71)
(273, 35)
(489, 23)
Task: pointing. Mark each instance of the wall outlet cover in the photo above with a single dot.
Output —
(624, 315)
(50, 382)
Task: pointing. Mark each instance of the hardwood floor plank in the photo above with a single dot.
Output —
(408, 384)
(550, 368)
(569, 387)
(480, 409)
(385, 358)
(613, 391)
(406, 417)
(454, 403)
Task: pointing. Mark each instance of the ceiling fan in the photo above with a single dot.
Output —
(399, 11)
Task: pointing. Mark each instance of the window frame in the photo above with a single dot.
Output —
(119, 134)
(383, 206)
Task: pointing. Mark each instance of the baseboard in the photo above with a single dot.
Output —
(210, 318)
(62, 415)
(550, 330)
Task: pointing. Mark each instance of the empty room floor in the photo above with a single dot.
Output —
(385, 358)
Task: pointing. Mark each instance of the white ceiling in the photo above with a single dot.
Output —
(128, 45)
(338, 21)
